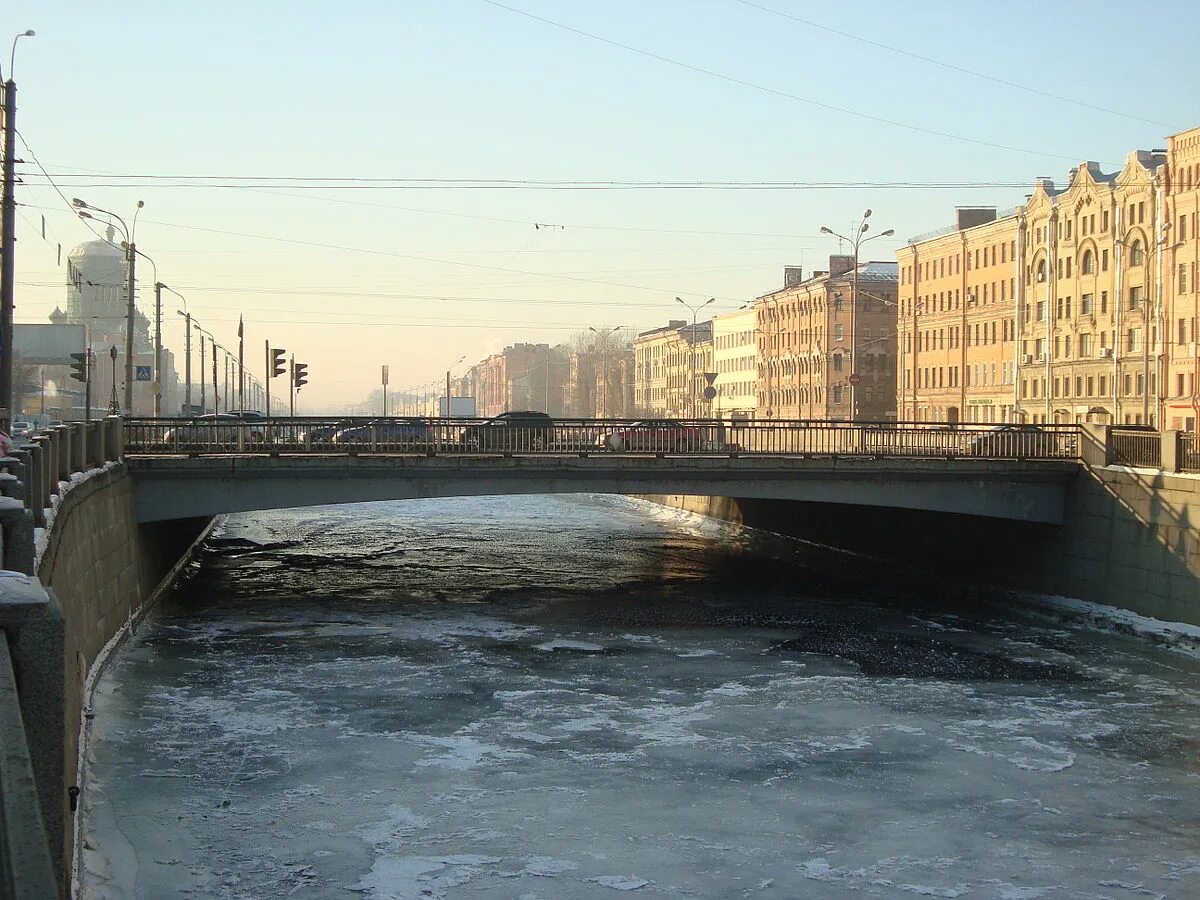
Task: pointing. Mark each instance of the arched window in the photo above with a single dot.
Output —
(1041, 270)
(1136, 255)
(1087, 265)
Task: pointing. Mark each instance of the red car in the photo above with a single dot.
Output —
(655, 435)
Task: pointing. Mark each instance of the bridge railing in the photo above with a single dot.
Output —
(213, 435)
(1189, 451)
(1135, 447)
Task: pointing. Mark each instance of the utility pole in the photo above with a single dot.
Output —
(187, 364)
(241, 365)
(385, 386)
(449, 413)
(267, 381)
(216, 396)
(158, 379)
(8, 245)
(130, 310)
(203, 377)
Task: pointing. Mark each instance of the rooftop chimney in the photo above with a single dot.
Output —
(839, 264)
(969, 216)
(792, 275)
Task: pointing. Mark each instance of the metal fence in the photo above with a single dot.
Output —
(214, 435)
(1135, 447)
(1189, 451)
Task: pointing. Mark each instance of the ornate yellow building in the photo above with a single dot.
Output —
(1181, 380)
(1055, 311)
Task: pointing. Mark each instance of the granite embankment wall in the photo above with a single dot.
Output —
(105, 570)
(1130, 539)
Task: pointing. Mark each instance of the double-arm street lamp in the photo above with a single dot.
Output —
(85, 211)
(695, 310)
(856, 242)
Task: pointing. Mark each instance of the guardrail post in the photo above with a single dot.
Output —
(1172, 451)
(114, 444)
(95, 456)
(79, 460)
(1097, 444)
(64, 452)
(38, 490)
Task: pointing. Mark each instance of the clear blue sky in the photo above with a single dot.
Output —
(463, 89)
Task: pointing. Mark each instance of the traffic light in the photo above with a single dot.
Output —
(80, 366)
(277, 365)
(299, 374)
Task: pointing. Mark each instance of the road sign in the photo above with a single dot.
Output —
(855, 378)
(710, 377)
(710, 392)
(142, 373)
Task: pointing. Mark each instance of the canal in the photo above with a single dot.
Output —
(586, 697)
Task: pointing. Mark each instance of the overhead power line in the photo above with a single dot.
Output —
(358, 183)
(962, 70)
(776, 91)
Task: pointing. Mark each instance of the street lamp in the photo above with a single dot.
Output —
(449, 368)
(8, 247)
(130, 247)
(856, 242)
(695, 310)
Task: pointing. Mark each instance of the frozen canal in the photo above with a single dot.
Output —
(548, 697)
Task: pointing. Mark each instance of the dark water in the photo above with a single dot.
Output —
(550, 697)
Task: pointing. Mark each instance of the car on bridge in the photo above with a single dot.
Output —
(655, 435)
(516, 430)
(1017, 440)
(382, 435)
(217, 432)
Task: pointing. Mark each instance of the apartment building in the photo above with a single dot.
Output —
(669, 367)
(1048, 313)
(735, 361)
(957, 320)
(821, 348)
(1181, 379)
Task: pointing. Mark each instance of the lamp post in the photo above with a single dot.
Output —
(8, 245)
(450, 412)
(856, 242)
(130, 246)
(695, 310)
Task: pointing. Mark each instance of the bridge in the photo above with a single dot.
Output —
(205, 467)
(97, 518)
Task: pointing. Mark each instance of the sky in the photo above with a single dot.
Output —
(416, 276)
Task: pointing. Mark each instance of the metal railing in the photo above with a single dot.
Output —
(1135, 447)
(1189, 451)
(208, 436)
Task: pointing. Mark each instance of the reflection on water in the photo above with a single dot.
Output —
(550, 697)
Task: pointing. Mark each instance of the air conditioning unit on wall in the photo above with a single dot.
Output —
(1105, 352)
(1028, 359)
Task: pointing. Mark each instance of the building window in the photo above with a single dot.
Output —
(1041, 270)
(1104, 220)
(1136, 254)
(1135, 297)
(839, 332)
(837, 393)
(1182, 235)
(1041, 310)
(1182, 278)
(1087, 265)
(1085, 305)
(1103, 302)
(1104, 260)
(837, 362)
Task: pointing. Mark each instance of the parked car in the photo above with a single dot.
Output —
(523, 430)
(1015, 440)
(384, 434)
(21, 429)
(657, 435)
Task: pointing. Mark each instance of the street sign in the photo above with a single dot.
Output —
(142, 373)
(710, 392)
(854, 378)
(709, 378)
